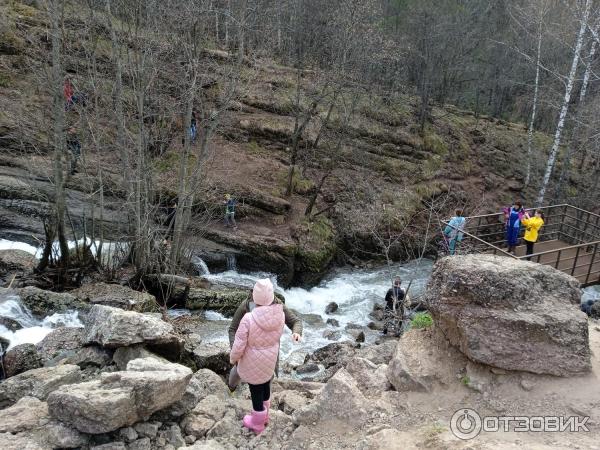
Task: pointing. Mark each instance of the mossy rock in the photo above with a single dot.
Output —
(223, 300)
(316, 251)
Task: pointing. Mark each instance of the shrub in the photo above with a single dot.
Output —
(421, 320)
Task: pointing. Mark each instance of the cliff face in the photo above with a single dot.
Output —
(387, 174)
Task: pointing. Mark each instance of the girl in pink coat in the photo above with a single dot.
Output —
(255, 351)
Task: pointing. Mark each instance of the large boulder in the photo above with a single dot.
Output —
(123, 355)
(113, 327)
(60, 343)
(223, 299)
(120, 399)
(423, 359)
(43, 303)
(213, 356)
(511, 314)
(16, 261)
(340, 399)
(37, 383)
(20, 359)
(116, 296)
(27, 413)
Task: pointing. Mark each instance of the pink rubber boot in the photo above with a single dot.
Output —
(255, 421)
(267, 405)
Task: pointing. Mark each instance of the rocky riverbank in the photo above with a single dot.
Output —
(129, 379)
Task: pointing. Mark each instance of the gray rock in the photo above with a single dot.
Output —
(128, 434)
(10, 324)
(60, 343)
(189, 439)
(209, 444)
(174, 437)
(290, 401)
(92, 356)
(379, 354)
(307, 368)
(45, 303)
(213, 356)
(511, 314)
(340, 399)
(37, 383)
(147, 429)
(16, 261)
(110, 446)
(114, 327)
(21, 358)
(21, 441)
(226, 427)
(123, 355)
(358, 335)
(331, 308)
(141, 444)
(116, 296)
(333, 322)
(332, 335)
(202, 384)
(120, 399)
(26, 414)
(294, 360)
(371, 379)
(58, 435)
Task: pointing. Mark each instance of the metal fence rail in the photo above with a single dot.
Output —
(574, 232)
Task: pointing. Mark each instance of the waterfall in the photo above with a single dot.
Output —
(33, 330)
(231, 262)
(200, 265)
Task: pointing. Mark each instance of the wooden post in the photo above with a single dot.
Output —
(562, 220)
(558, 259)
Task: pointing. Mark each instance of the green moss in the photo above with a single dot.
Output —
(317, 245)
(434, 143)
(300, 185)
(4, 80)
(421, 320)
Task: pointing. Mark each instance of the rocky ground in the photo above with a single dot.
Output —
(131, 380)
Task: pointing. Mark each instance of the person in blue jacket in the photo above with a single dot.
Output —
(513, 217)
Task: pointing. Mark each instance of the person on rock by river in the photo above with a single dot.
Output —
(255, 351)
(292, 321)
(230, 212)
(394, 307)
(532, 227)
(513, 216)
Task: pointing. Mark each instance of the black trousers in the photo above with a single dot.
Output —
(529, 248)
(259, 394)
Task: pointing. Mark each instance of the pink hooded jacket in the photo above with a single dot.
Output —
(256, 345)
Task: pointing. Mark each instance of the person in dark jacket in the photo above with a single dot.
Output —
(74, 147)
(292, 321)
(394, 306)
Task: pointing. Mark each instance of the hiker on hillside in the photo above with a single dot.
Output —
(68, 92)
(454, 231)
(255, 351)
(74, 147)
(230, 204)
(532, 227)
(513, 216)
(193, 128)
(394, 307)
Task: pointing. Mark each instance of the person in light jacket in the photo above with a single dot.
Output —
(255, 351)
(454, 231)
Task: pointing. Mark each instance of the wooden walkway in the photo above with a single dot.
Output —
(573, 261)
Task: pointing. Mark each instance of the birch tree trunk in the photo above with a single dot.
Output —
(565, 106)
(535, 100)
(574, 141)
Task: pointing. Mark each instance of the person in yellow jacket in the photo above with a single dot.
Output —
(532, 227)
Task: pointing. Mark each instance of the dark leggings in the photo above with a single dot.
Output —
(529, 249)
(260, 393)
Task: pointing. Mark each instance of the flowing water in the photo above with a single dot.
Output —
(33, 330)
(354, 290)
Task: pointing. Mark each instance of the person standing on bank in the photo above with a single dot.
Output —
(513, 216)
(230, 212)
(454, 231)
(532, 228)
(256, 350)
